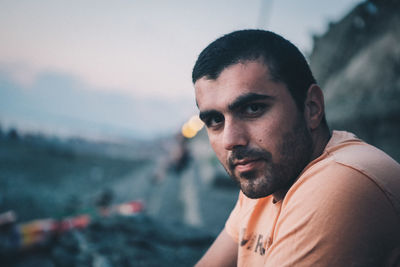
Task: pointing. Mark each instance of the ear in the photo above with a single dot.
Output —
(314, 107)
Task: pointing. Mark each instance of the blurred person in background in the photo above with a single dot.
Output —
(175, 161)
(308, 196)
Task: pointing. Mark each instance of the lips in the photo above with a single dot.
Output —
(245, 165)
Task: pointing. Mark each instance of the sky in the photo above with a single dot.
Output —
(123, 67)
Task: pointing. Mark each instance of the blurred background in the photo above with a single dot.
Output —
(103, 161)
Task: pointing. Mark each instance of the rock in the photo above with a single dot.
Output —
(357, 63)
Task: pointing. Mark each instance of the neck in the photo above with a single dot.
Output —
(320, 138)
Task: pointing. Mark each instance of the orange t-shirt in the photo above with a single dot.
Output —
(343, 210)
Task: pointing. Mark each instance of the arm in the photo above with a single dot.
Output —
(223, 252)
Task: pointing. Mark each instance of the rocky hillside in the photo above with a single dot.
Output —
(357, 63)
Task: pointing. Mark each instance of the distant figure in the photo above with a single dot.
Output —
(104, 200)
(9, 235)
(180, 155)
(176, 159)
(13, 134)
(7, 218)
(308, 196)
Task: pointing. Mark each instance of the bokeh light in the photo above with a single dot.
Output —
(192, 127)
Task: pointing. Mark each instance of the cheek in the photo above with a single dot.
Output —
(262, 133)
(266, 137)
(219, 150)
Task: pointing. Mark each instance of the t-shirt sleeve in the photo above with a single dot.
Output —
(233, 222)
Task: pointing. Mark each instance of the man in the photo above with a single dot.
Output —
(308, 197)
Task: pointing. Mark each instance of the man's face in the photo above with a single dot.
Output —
(255, 128)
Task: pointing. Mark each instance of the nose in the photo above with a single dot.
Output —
(234, 135)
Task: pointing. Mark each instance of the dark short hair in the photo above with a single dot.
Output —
(285, 62)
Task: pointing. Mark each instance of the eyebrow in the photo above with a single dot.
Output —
(239, 101)
(208, 113)
(247, 98)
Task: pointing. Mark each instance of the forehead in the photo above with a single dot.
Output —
(234, 81)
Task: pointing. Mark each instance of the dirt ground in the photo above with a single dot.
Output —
(183, 211)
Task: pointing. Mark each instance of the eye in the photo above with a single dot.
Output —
(254, 109)
(214, 121)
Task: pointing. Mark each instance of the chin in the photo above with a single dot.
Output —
(254, 194)
(255, 189)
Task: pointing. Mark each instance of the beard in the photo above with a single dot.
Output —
(294, 152)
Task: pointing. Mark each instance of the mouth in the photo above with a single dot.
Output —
(246, 165)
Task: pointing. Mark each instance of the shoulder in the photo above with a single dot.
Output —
(336, 210)
(367, 159)
(377, 168)
(332, 187)
(351, 178)
(347, 170)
